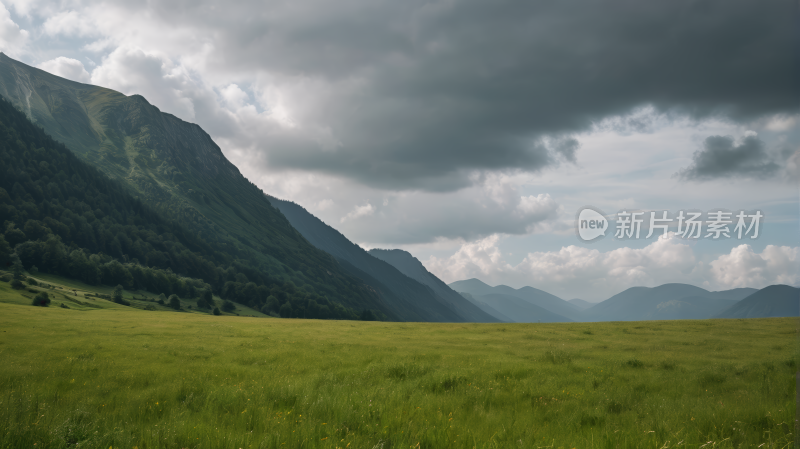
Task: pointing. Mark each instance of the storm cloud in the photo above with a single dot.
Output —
(721, 157)
(421, 95)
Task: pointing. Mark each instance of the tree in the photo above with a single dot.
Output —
(5, 253)
(206, 299)
(42, 299)
(216, 311)
(14, 236)
(16, 284)
(228, 306)
(18, 271)
(162, 299)
(175, 302)
(286, 310)
(117, 296)
(367, 315)
(273, 304)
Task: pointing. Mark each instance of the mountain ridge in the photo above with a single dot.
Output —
(420, 298)
(413, 268)
(176, 168)
(534, 296)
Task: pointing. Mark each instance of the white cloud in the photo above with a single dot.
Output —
(234, 96)
(536, 207)
(575, 271)
(152, 75)
(782, 122)
(358, 212)
(23, 7)
(69, 23)
(13, 39)
(480, 259)
(68, 68)
(745, 268)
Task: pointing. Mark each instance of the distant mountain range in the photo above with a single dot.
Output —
(507, 301)
(665, 302)
(411, 291)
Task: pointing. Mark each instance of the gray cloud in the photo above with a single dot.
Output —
(420, 95)
(721, 157)
(455, 217)
(476, 85)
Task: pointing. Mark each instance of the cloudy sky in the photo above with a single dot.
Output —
(470, 133)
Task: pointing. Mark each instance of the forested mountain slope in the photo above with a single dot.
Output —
(226, 219)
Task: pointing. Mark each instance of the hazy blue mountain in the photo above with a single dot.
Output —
(689, 308)
(532, 295)
(772, 301)
(413, 268)
(581, 304)
(176, 168)
(487, 308)
(736, 294)
(409, 298)
(472, 286)
(519, 310)
(665, 302)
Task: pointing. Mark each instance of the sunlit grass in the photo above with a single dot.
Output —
(127, 378)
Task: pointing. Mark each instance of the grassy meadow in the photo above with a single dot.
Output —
(111, 376)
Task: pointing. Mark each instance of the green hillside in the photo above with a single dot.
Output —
(176, 169)
(64, 217)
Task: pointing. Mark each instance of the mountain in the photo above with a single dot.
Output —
(487, 308)
(665, 302)
(413, 268)
(520, 310)
(65, 217)
(531, 295)
(581, 304)
(175, 168)
(772, 301)
(407, 298)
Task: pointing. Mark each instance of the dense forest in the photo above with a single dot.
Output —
(64, 217)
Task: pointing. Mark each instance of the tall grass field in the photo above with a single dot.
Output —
(120, 377)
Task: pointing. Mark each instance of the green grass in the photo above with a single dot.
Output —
(121, 377)
(78, 295)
